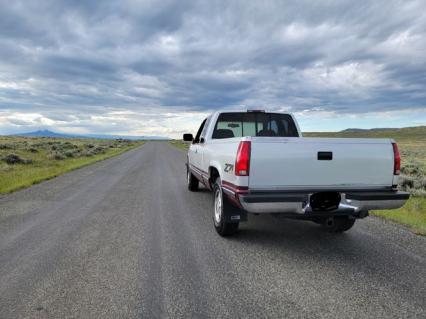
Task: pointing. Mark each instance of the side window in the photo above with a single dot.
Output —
(197, 137)
(206, 125)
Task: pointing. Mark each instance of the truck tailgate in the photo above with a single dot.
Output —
(280, 163)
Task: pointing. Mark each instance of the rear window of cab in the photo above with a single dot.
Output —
(230, 125)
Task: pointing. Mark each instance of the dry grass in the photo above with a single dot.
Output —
(180, 144)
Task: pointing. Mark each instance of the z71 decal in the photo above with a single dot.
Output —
(229, 168)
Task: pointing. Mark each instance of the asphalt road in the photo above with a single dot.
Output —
(124, 238)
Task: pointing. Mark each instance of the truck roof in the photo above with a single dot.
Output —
(251, 111)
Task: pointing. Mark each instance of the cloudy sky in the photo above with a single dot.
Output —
(158, 67)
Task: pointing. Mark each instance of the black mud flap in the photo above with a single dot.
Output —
(236, 217)
(234, 214)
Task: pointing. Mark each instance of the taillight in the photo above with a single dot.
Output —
(242, 163)
(396, 160)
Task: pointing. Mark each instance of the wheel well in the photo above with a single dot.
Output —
(214, 174)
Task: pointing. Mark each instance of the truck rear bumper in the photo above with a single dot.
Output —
(354, 203)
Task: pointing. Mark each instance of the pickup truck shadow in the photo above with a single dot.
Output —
(312, 244)
(368, 253)
(356, 258)
(365, 253)
(277, 231)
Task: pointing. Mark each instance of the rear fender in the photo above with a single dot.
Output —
(218, 167)
(233, 213)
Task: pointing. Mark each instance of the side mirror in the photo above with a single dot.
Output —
(188, 137)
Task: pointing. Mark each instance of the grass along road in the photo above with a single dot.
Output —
(180, 144)
(413, 214)
(412, 146)
(26, 161)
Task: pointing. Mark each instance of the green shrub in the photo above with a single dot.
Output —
(5, 147)
(68, 145)
(423, 182)
(57, 156)
(69, 153)
(99, 150)
(411, 169)
(87, 153)
(12, 159)
(406, 182)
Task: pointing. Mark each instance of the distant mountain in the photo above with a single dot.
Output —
(47, 133)
(369, 130)
(129, 137)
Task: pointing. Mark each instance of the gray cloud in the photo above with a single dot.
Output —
(69, 61)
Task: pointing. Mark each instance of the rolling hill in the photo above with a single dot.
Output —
(406, 133)
(47, 133)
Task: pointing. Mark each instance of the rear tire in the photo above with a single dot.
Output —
(341, 224)
(220, 206)
(192, 181)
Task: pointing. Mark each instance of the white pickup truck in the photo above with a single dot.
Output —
(258, 162)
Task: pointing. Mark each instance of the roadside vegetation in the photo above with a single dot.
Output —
(180, 144)
(412, 146)
(25, 161)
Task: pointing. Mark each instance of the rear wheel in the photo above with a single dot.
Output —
(220, 206)
(192, 181)
(340, 224)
